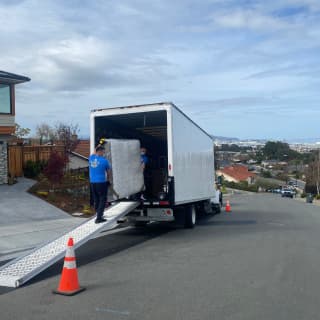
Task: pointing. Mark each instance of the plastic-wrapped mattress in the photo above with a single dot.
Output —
(127, 174)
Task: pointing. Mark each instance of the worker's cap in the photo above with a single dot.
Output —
(99, 148)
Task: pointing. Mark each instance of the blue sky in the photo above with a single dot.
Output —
(247, 69)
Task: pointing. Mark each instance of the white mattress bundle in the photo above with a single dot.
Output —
(127, 174)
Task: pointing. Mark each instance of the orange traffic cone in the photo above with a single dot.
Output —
(69, 283)
(228, 207)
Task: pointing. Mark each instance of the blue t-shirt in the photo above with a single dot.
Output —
(97, 168)
(144, 159)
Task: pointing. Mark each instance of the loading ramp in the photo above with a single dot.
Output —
(17, 272)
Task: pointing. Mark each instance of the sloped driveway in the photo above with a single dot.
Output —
(17, 205)
(26, 221)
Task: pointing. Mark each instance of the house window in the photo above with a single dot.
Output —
(5, 99)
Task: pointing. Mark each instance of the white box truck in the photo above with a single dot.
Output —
(180, 178)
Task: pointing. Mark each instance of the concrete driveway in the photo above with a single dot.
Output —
(27, 221)
(17, 205)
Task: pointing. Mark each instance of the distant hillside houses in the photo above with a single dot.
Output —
(237, 173)
(270, 164)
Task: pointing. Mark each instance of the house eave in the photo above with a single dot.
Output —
(79, 155)
(12, 78)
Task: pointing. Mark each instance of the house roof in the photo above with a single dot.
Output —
(82, 149)
(238, 172)
(11, 78)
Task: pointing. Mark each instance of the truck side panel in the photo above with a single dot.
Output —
(193, 160)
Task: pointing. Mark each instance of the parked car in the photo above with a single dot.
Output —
(287, 193)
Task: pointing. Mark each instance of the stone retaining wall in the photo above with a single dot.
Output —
(3, 163)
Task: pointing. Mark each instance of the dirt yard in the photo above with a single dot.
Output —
(71, 195)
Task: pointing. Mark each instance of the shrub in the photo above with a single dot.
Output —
(55, 167)
(303, 195)
(31, 169)
(243, 185)
(266, 174)
(252, 188)
(223, 189)
(311, 188)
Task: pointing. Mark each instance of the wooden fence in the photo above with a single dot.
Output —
(19, 155)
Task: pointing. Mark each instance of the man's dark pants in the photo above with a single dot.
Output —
(99, 193)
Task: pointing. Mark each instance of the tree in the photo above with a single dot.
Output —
(21, 132)
(67, 134)
(283, 176)
(313, 176)
(258, 156)
(266, 174)
(279, 151)
(45, 132)
(54, 169)
(230, 147)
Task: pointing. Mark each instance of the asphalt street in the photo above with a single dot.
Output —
(261, 261)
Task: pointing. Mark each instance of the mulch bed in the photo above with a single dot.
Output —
(72, 194)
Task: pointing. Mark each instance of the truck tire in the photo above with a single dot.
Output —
(190, 217)
(200, 211)
(217, 208)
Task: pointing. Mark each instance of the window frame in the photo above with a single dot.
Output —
(10, 98)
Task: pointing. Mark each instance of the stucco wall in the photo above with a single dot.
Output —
(6, 120)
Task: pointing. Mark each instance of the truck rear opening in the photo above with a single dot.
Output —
(150, 128)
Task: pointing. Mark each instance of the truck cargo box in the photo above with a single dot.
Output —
(181, 166)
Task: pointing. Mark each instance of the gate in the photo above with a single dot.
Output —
(15, 165)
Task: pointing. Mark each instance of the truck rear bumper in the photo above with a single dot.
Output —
(152, 214)
(148, 219)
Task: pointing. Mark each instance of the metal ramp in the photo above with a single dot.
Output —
(19, 271)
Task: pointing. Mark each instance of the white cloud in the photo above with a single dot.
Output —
(248, 19)
(251, 56)
(72, 64)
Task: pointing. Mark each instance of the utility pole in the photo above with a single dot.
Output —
(296, 173)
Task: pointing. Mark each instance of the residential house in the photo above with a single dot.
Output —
(237, 173)
(78, 158)
(271, 164)
(7, 117)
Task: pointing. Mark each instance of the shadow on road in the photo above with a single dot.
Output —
(110, 244)
(230, 223)
(105, 246)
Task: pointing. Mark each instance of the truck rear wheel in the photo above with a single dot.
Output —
(216, 208)
(190, 217)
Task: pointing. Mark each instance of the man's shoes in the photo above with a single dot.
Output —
(100, 220)
(143, 198)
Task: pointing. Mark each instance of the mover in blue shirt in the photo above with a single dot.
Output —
(99, 181)
(144, 161)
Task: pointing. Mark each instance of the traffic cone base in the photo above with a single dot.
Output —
(69, 283)
(69, 293)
